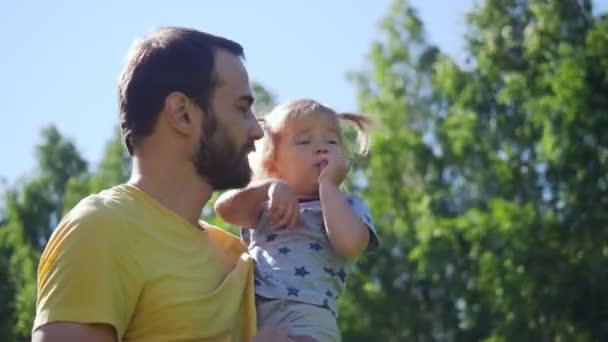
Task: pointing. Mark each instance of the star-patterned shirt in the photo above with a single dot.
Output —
(299, 263)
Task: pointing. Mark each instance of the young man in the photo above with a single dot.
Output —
(134, 262)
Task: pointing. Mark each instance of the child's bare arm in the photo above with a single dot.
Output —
(241, 207)
(348, 234)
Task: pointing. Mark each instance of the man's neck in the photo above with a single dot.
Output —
(181, 191)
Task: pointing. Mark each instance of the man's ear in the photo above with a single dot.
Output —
(178, 111)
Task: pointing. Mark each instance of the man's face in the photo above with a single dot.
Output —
(229, 129)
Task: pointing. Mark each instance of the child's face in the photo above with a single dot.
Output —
(303, 146)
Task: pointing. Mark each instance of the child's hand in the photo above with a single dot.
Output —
(283, 203)
(334, 170)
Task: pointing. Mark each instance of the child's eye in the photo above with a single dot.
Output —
(303, 142)
(333, 142)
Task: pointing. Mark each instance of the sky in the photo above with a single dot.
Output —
(60, 60)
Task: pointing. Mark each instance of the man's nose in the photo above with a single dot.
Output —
(256, 131)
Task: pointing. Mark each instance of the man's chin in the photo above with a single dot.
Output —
(222, 174)
(227, 182)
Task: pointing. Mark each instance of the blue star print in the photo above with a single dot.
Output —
(271, 237)
(315, 246)
(301, 271)
(284, 250)
(341, 274)
(329, 294)
(329, 271)
(292, 291)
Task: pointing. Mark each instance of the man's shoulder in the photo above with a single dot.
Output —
(229, 242)
(93, 229)
(97, 214)
(220, 234)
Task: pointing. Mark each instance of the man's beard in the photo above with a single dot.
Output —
(219, 161)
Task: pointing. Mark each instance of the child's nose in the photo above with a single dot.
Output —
(320, 150)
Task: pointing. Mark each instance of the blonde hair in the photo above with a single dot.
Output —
(277, 120)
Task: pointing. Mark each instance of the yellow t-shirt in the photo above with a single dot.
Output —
(121, 258)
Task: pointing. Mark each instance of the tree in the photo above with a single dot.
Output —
(113, 169)
(265, 100)
(488, 180)
(32, 209)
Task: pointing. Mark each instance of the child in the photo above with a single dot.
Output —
(303, 231)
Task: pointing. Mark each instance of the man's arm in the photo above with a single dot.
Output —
(73, 332)
(348, 235)
(89, 279)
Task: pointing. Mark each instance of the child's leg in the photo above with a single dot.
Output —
(271, 312)
(303, 339)
(268, 311)
(306, 322)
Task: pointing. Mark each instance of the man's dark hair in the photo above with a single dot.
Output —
(170, 59)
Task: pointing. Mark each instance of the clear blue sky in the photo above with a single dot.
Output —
(60, 59)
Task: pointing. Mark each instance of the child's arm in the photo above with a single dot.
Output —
(241, 207)
(348, 234)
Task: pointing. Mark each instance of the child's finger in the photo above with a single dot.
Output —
(271, 205)
(286, 216)
(295, 215)
(276, 211)
(275, 204)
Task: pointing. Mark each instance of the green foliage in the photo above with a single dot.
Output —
(265, 100)
(32, 209)
(113, 169)
(487, 180)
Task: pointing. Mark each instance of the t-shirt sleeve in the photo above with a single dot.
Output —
(88, 273)
(360, 208)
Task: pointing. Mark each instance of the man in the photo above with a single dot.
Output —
(134, 262)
